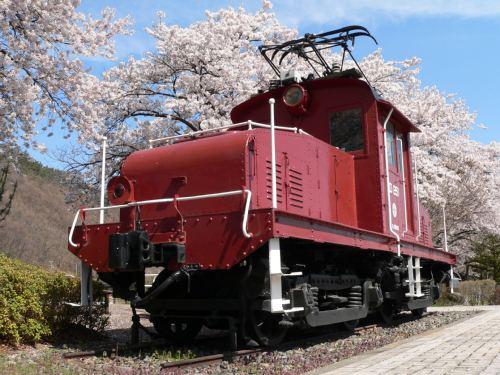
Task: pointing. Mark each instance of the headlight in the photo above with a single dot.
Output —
(296, 98)
(120, 190)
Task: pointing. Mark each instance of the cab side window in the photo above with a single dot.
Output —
(346, 130)
(391, 145)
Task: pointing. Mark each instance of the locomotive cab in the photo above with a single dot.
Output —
(348, 115)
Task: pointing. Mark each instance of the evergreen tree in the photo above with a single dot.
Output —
(486, 258)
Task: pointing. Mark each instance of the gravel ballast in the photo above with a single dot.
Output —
(311, 356)
(312, 353)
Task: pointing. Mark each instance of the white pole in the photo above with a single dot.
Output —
(446, 247)
(444, 230)
(273, 157)
(103, 179)
(86, 273)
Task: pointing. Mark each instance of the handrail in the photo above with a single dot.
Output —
(249, 123)
(386, 157)
(417, 196)
(169, 200)
(400, 144)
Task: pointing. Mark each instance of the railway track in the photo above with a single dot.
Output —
(230, 356)
(114, 351)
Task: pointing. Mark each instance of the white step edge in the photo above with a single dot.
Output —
(291, 274)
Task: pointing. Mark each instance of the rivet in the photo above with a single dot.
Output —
(185, 221)
(225, 217)
(198, 220)
(211, 219)
(245, 253)
(156, 224)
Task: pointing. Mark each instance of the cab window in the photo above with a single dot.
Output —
(346, 130)
(399, 140)
(391, 145)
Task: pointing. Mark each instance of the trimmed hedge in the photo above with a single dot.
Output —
(32, 303)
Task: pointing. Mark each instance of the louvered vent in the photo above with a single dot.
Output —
(296, 189)
(425, 231)
(279, 182)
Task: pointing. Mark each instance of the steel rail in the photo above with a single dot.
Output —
(112, 351)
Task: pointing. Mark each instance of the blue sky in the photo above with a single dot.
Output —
(457, 40)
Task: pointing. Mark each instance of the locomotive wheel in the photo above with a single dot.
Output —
(264, 327)
(418, 313)
(387, 312)
(180, 331)
(350, 325)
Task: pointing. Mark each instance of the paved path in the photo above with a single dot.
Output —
(468, 347)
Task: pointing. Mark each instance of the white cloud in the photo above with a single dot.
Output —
(325, 11)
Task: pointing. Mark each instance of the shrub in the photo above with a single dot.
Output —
(32, 303)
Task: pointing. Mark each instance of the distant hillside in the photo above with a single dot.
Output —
(36, 229)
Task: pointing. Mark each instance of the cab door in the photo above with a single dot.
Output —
(396, 205)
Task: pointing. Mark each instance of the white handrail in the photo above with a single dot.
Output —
(400, 144)
(244, 225)
(418, 198)
(170, 200)
(248, 123)
(388, 183)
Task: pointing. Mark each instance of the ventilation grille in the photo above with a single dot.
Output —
(296, 198)
(425, 230)
(279, 182)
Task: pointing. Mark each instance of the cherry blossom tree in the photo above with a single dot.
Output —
(41, 75)
(198, 73)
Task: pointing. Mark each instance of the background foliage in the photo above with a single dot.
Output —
(471, 292)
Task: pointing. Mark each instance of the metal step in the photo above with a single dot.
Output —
(414, 279)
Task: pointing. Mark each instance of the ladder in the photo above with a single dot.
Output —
(414, 280)
(275, 275)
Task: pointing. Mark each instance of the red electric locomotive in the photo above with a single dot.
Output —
(261, 227)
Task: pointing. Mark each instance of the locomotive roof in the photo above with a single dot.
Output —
(404, 123)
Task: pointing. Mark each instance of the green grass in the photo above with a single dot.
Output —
(48, 362)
